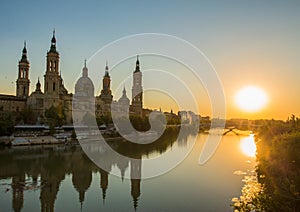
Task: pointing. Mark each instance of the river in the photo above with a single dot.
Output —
(63, 178)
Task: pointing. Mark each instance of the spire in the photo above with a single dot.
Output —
(106, 69)
(124, 92)
(38, 85)
(24, 49)
(85, 70)
(24, 53)
(137, 64)
(53, 42)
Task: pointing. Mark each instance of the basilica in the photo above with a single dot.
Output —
(55, 94)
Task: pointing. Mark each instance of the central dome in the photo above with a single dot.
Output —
(84, 86)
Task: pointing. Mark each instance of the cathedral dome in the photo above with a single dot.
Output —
(84, 86)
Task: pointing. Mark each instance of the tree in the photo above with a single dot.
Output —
(27, 116)
(278, 168)
(139, 123)
(7, 125)
(55, 116)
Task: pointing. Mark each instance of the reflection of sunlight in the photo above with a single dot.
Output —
(248, 146)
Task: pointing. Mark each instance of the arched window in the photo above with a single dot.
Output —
(50, 66)
(23, 73)
(54, 66)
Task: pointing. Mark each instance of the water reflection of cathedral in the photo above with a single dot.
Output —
(45, 169)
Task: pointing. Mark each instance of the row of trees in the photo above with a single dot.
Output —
(54, 116)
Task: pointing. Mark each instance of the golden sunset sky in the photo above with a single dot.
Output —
(248, 43)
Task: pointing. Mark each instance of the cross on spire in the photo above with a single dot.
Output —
(106, 69)
(24, 48)
(106, 65)
(53, 40)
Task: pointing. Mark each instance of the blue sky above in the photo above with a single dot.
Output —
(248, 42)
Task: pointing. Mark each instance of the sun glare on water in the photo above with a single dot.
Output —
(248, 146)
(251, 98)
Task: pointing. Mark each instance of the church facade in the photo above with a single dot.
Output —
(54, 93)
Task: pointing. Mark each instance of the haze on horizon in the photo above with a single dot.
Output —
(248, 43)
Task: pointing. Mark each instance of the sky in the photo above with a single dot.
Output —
(247, 42)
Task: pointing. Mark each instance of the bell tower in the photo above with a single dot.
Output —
(23, 75)
(106, 95)
(52, 76)
(137, 90)
(52, 69)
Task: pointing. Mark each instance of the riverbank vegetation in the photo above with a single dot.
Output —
(278, 169)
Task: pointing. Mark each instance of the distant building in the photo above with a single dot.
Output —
(188, 117)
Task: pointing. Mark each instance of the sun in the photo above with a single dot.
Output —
(251, 98)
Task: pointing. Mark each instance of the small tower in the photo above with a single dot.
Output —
(137, 90)
(124, 103)
(103, 183)
(106, 95)
(52, 77)
(38, 86)
(23, 75)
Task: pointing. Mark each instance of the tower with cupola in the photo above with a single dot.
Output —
(137, 90)
(23, 81)
(52, 76)
(106, 95)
